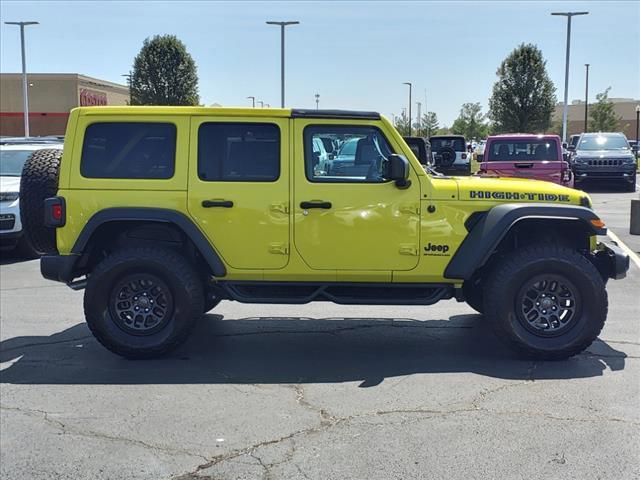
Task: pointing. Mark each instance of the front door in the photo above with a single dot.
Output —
(239, 188)
(347, 215)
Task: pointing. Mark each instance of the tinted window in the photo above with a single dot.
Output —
(361, 154)
(12, 161)
(129, 150)
(239, 152)
(456, 143)
(522, 150)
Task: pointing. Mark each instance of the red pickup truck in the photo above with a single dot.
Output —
(538, 157)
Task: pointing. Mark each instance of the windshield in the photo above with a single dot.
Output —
(456, 143)
(603, 142)
(349, 147)
(522, 150)
(12, 161)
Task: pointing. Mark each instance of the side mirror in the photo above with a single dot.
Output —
(571, 148)
(564, 144)
(565, 156)
(398, 170)
(316, 158)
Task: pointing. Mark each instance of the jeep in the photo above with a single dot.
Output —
(531, 156)
(605, 157)
(162, 212)
(450, 154)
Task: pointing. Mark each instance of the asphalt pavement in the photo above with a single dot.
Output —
(316, 391)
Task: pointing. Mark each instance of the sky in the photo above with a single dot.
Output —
(355, 55)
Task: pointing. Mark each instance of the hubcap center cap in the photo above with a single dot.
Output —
(546, 303)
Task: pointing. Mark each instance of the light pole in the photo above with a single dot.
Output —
(253, 101)
(410, 85)
(261, 103)
(317, 95)
(418, 118)
(282, 25)
(586, 98)
(637, 126)
(565, 107)
(25, 94)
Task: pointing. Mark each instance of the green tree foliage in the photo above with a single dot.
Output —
(603, 118)
(429, 124)
(523, 98)
(402, 124)
(164, 74)
(471, 122)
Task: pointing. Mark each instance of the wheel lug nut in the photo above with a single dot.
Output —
(553, 308)
(137, 308)
(146, 309)
(538, 303)
(544, 311)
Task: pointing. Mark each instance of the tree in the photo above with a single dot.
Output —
(429, 124)
(164, 74)
(402, 124)
(523, 98)
(471, 122)
(603, 117)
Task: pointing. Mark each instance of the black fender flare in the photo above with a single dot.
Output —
(150, 214)
(487, 233)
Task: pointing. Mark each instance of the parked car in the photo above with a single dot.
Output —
(14, 152)
(605, 157)
(420, 148)
(477, 156)
(537, 157)
(450, 155)
(164, 212)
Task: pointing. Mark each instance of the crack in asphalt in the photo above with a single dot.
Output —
(71, 430)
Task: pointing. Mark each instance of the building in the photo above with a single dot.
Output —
(51, 97)
(625, 108)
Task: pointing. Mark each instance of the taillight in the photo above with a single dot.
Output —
(54, 212)
(566, 175)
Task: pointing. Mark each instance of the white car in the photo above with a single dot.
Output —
(13, 154)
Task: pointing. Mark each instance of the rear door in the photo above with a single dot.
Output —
(239, 188)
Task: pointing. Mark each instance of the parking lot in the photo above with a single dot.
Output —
(316, 391)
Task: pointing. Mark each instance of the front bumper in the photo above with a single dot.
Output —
(611, 261)
(586, 172)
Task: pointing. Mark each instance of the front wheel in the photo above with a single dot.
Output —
(143, 302)
(546, 302)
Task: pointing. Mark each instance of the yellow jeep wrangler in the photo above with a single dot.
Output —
(162, 212)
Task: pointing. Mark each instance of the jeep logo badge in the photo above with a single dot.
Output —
(436, 250)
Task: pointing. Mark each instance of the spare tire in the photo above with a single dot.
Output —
(39, 181)
(447, 156)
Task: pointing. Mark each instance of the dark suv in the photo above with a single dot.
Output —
(604, 156)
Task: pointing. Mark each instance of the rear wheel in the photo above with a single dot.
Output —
(472, 290)
(546, 302)
(143, 302)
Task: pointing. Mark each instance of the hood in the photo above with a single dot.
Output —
(9, 184)
(516, 190)
(603, 153)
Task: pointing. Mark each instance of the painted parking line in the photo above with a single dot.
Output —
(633, 255)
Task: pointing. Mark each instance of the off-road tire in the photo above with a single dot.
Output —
(473, 294)
(631, 187)
(25, 250)
(451, 157)
(179, 277)
(501, 300)
(39, 181)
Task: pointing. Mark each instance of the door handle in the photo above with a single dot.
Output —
(217, 203)
(308, 205)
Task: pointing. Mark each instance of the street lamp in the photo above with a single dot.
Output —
(282, 25)
(25, 95)
(565, 108)
(253, 101)
(410, 85)
(637, 126)
(317, 95)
